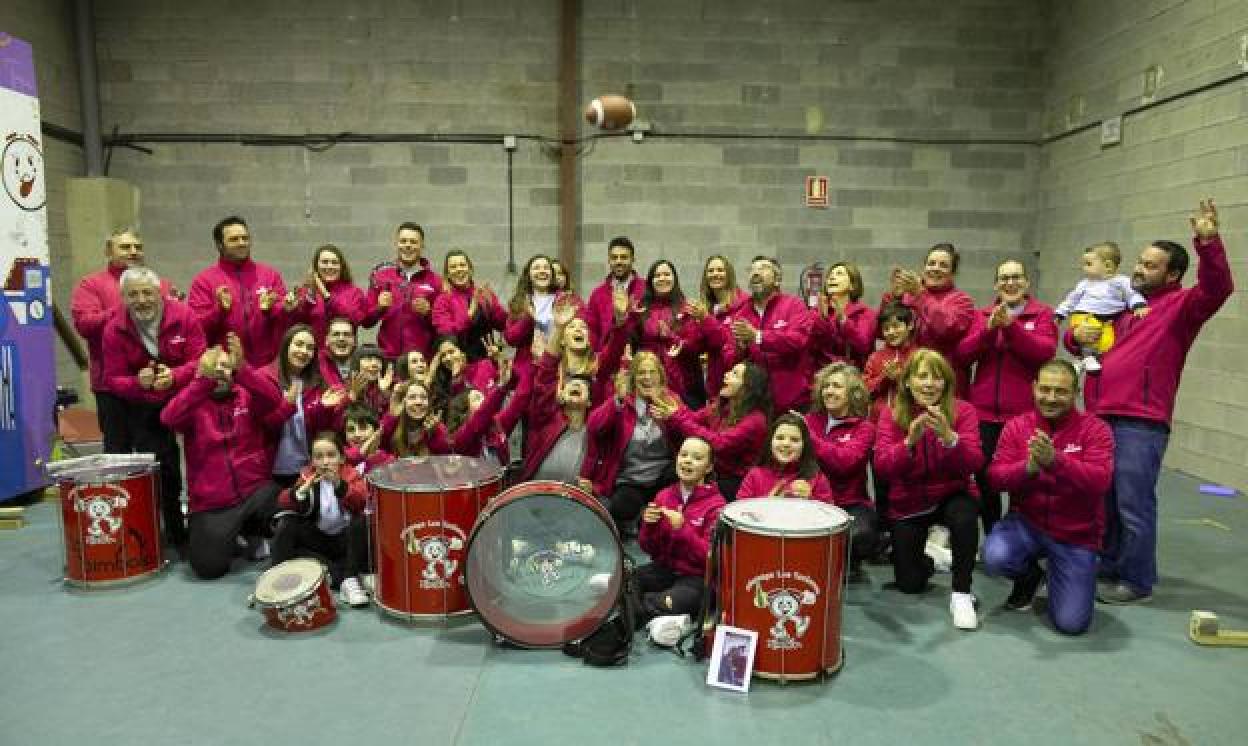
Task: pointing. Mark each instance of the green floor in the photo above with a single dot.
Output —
(176, 661)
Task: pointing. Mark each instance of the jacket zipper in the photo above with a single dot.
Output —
(229, 453)
(1147, 381)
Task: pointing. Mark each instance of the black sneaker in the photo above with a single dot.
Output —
(1024, 590)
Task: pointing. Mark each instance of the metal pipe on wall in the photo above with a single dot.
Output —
(569, 195)
(88, 87)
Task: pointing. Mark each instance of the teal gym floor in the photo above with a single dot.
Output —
(177, 661)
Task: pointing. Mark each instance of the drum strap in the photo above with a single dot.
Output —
(693, 642)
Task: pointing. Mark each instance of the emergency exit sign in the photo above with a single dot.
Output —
(816, 191)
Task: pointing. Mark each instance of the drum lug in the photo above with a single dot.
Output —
(251, 601)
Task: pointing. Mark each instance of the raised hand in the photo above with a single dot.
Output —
(147, 376)
(619, 304)
(538, 346)
(385, 299)
(293, 391)
(291, 301)
(743, 332)
(674, 517)
(369, 446)
(651, 513)
(697, 310)
(387, 378)
(800, 488)
(164, 378)
(420, 305)
(1205, 222)
(916, 429)
(999, 317)
(623, 385)
(939, 423)
(564, 311)
(225, 299)
(235, 347)
(397, 396)
(207, 362)
(357, 386)
(332, 397)
(266, 299)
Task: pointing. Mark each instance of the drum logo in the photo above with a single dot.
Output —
(434, 542)
(302, 613)
(785, 594)
(101, 509)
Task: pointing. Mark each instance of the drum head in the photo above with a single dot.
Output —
(781, 516)
(290, 581)
(434, 473)
(544, 566)
(102, 467)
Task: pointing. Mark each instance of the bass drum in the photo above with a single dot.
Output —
(544, 565)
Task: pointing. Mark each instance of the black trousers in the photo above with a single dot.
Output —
(989, 499)
(664, 592)
(864, 535)
(345, 553)
(133, 427)
(728, 487)
(912, 568)
(213, 532)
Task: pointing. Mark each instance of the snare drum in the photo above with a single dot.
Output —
(423, 510)
(110, 518)
(295, 596)
(782, 568)
(544, 565)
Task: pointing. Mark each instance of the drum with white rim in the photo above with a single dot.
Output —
(294, 596)
(782, 571)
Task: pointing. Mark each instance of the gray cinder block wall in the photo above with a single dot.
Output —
(1145, 188)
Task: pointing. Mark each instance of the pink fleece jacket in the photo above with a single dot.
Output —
(684, 550)
(1007, 359)
(260, 331)
(180, 342)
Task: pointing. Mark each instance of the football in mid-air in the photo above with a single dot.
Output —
(610, 112)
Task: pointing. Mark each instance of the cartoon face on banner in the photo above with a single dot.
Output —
(24, 179)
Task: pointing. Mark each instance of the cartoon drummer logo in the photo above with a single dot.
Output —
(101, 509)
(23, 171)
(302, 614)
(787, 595)
(435, 543)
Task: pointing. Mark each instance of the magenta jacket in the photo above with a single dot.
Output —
(849, 340)
(450, 319)
(720, 356)
(1007, 360)
(1140, 373)
(843, 454)
(762, 479)
(518, 332)
(402, 329)
(919, 480)
(942, 318)
(482, 429)
(226, 439)
(352, 494)
(316, 416)
(600, 309)
(180, 343)
(784, 350)
(260, 331)
(685, 550)
(345, 300)
(1067, 500)
(546, 419)
(661, 327)
(95, 301)
(735, 447)
(610, 428)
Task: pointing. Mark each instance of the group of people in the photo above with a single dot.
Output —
(920, 411)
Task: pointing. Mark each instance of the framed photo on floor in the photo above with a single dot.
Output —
(732, 658)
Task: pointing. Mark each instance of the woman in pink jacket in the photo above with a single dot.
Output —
(1008, 343)
(789, 469)
(676, 532)
(225, 416)
(326, 293)
(411, 427)
(468, 312)
(735, 424)
(944, 313)
(928, 450)
(322, 514)
(308, 405)
(843, 436)
(721, 297)
(844, 328)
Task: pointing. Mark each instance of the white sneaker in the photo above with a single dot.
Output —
(369, 580)
(1091, 365)
(666, 631)
(942, 557)
(938, 535)
(600, 582)
(962, 606)
(352, 593)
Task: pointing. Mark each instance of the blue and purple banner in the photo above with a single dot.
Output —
(27, 370)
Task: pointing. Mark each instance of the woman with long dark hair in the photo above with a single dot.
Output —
(789, 467)
(308, 405)
(327, 292)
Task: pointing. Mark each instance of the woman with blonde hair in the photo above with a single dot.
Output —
(843, 435)
(844, 328)
(927, 447)
(720, 297)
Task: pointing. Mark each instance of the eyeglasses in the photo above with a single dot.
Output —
(1011, 278)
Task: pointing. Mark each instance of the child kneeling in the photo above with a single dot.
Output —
(323, 515)
(676, 531)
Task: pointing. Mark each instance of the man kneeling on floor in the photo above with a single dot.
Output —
(1056, 463)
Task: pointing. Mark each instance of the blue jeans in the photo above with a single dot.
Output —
(1013, 548)
(1130, 553)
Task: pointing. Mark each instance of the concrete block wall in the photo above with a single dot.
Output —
(1145, 188)
(48, 26)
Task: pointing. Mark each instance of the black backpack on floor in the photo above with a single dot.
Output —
(611, 643)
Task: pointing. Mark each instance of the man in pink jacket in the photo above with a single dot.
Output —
(599, 311)
(226, 416)
(1135, 393)
(1056, 463)
(401, 295)
(240, 295)
(95, 301)
(772, 330)
(152, 351)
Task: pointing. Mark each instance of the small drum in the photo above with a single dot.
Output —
(295, 597)
(423, 511)
(782, 574)
(110, 518)
(544, 565)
